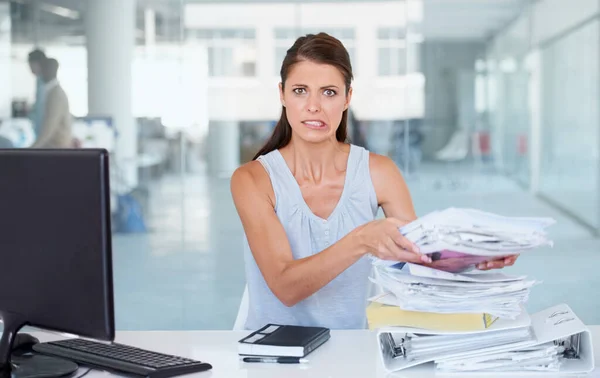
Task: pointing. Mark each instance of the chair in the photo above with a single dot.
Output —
(240, 320)
(481, 150)
(453, 153)
(456, 149)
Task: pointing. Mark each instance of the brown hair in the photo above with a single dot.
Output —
(37, 56)
(50, 68)
(319, 48)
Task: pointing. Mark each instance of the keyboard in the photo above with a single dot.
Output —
(121, 358)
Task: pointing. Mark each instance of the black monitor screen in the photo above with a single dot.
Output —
(55, 244)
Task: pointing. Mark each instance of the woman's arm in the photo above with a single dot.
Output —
(294, 280)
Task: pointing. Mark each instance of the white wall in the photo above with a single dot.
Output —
(383, 13)
(255, 99)
(516, 38)
(552, 17)
(172, 82)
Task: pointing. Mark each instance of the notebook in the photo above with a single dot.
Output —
(277, 340)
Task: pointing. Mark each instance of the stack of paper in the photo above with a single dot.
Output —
(477, 232)
(456, 238)
(419, 288)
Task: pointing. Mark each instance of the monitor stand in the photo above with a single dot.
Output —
(27, 365)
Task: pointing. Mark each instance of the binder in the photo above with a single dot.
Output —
(405, 347)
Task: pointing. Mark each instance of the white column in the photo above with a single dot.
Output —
(110, 32)
(365, 53)
(223, 147)
(267, 71)
(150, 27)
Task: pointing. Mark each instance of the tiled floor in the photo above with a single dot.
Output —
(187, 272)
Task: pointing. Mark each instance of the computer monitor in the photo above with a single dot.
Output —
(55, 244)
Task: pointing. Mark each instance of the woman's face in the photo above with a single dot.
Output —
(314, 97)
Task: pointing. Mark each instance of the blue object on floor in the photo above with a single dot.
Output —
(130, 217)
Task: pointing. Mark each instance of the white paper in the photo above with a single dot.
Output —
(476, 232)
(423, 271)
(498, 295)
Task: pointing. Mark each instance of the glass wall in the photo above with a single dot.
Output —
(570, 168)
(544, 94)
(508, 80)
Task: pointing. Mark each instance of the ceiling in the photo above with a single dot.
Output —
(442, 19)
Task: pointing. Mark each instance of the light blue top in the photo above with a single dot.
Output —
(37, 112)
(340, 304)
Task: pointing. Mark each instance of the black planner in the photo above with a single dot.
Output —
(283, 341)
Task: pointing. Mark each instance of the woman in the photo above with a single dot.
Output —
(308, 201)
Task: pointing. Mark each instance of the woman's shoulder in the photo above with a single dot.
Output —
(380, 164)
(251, 174)
(383, 170)
(251, 183)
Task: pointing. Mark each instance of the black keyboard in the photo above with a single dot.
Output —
(120, 358)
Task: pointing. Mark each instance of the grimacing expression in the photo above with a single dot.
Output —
(314, 97)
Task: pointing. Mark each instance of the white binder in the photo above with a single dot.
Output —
(403, 347)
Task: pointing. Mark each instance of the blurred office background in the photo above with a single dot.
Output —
(492, 104)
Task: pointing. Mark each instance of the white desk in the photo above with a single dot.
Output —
(347, 354)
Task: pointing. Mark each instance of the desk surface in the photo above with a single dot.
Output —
(347, 354)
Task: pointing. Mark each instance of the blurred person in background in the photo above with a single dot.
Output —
(55, 131)
(36, 60)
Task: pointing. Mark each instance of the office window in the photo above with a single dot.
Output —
(285, 38)
(395, 57)
(231, 52)
(569, 119)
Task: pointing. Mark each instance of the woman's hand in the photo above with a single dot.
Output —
(382, 238)
(498, 263)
